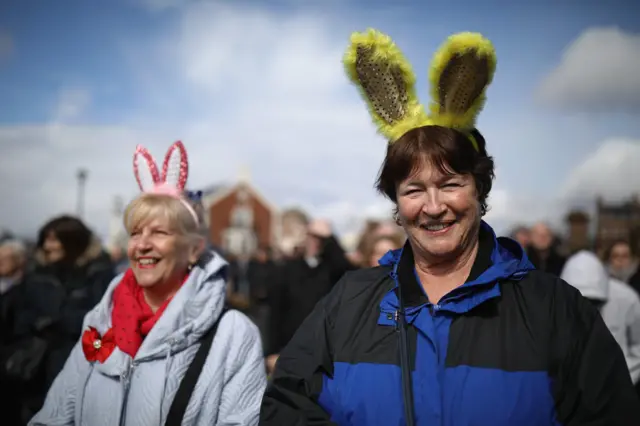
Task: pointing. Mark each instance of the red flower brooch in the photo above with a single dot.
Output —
(96, 347)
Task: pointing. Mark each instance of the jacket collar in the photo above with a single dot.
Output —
(496, 260)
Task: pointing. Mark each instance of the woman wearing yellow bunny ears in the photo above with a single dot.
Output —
(456, 328)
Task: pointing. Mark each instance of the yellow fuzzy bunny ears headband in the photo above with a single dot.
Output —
(460, 72)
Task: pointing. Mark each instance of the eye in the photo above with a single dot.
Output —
(411, 191)
(451, 185)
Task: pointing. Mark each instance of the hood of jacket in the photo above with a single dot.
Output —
(585, 272)
(192, 311)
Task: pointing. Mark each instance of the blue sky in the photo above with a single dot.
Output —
(260, 84)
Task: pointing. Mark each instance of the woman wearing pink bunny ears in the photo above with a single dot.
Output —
(160, 348)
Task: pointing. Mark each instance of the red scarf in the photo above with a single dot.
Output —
(132, 318)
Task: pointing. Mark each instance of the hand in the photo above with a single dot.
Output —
(320, 228)
(270, 361)
(355, 258)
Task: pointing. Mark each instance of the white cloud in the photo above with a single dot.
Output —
(611, 172)
(272, 98)
(241, 87)
(600, 70)
(349, 217)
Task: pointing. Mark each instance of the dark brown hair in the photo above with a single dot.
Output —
(609, 250)
(449, 150)
(73, 234)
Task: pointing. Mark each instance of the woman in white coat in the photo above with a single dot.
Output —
(160, 348)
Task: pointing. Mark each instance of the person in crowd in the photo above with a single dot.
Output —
(300, 282)
(13, 259)
(160, 347)
(28, 304)
(69, 253)
(250, 282)
(622, 264)
(542, 251)
(457, 327)
(384, 234)
(119, 258)
(360, 255)
(522, 235)
(618, 303)
(382, 245)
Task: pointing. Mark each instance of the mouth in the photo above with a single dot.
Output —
(438, 228)
(147, 262)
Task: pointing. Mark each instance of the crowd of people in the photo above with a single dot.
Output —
(46, 292)
(433, 319)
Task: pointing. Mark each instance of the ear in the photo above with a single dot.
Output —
(145, 169)
(460, 73)
(386, 82)
(175, 169)
(196, 250)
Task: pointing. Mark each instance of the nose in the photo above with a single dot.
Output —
(144, 242)
(434, 206)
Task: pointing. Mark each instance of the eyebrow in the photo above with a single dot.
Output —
(440, 180)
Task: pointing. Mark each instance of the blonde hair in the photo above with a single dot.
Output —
(147, 207)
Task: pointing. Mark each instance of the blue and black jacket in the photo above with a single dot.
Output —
(511, 346)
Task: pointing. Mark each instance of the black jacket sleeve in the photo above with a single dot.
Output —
(291, 398)
(594, 386)
(87, 295)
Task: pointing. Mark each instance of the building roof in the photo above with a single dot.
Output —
(218, 192)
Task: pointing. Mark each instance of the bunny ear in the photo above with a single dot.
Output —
(386, 81)
(460, 73)
(175, 169)
(145, 169)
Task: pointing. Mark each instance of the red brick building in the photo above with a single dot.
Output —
(618, 222)
(578, 236)
(239, 218)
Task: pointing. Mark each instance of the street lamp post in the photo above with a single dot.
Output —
(81, 176)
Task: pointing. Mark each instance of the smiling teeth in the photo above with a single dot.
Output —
(436, 227)
(147, 261)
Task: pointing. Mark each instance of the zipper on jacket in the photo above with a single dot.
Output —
(126, 383)
(407, 391)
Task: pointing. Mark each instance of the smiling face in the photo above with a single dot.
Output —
(439, 182)
(163, 240)
(439, 211)
(157, 254)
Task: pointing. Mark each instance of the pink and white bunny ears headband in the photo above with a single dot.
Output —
(175, 171)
